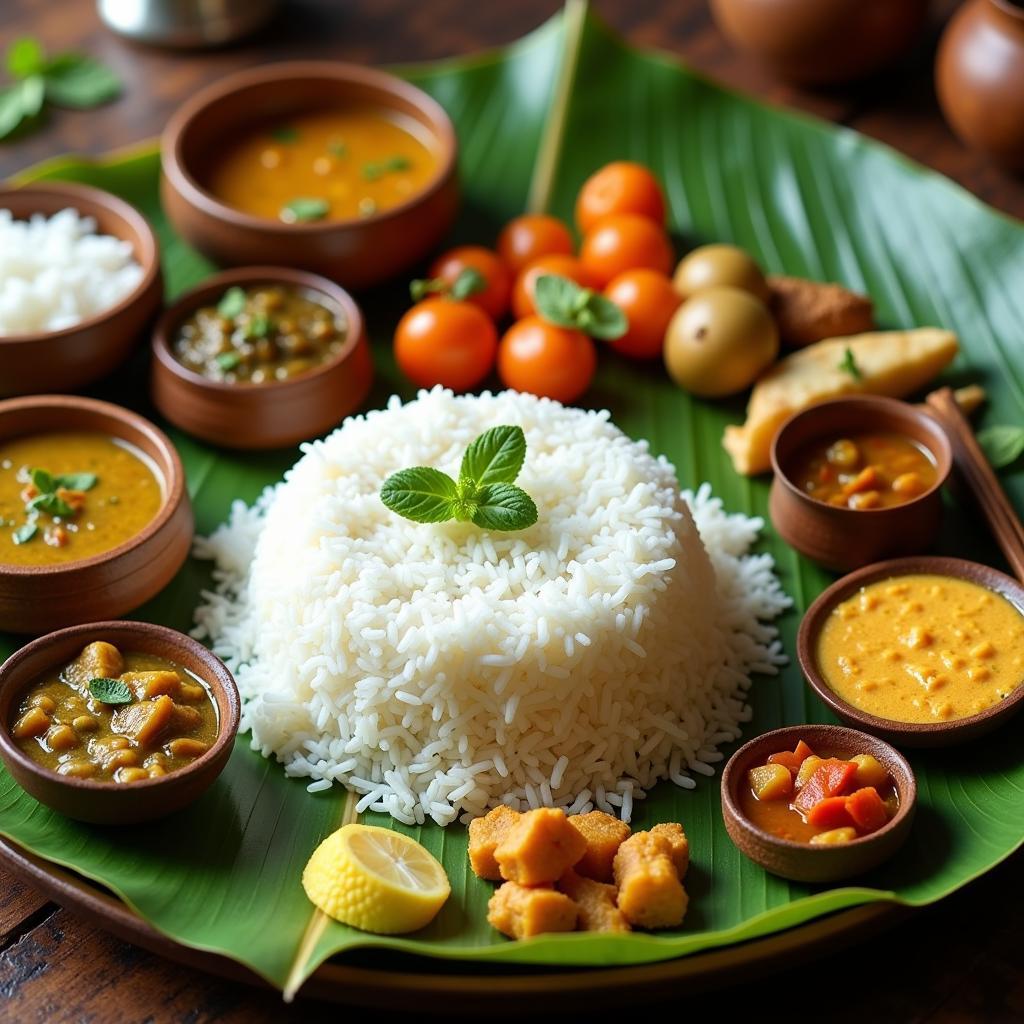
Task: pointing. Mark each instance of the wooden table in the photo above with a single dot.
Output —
(960, 961)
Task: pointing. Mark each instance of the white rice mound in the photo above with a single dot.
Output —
(439, 670)
(56, 272)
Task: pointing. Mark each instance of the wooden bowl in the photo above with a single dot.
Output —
(75, 356)
(357, 252)
(803, 862)
(271, 415)
(906, 734)
(35, 599)
(112, 803)
(847, 538)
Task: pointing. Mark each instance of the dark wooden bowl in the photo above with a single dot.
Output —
(847, 538)
(358, 252)
(113, 803)
(75, 356)
(35, 599)
(271, 415)
(803, 862)
(906, 734)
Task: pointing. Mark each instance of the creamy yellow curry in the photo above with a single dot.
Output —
(116, 716)
(68, 496)
(923, 648)
(325, 165)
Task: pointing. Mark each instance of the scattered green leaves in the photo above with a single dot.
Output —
(227, 361)
(566, 304)
(258, 327)
(1002, 445)
(232, 303)
(304, 209)
(42, 481)
(376, 169)
(77, 481)
(51, 504)
(484, 495)
(49, 500)
(848, 364)
(110, 691)
(79, 81)
(469, 282)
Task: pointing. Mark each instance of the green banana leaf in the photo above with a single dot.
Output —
(806, 198)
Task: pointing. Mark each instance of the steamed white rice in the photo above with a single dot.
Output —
(439, 670)
(56, 271)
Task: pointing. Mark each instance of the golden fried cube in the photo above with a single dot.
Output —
(650, 892)
(604, 834)
(519, 911)
(539, 847)
(673, 832)
(595, 903)
(485, 834)
(98, 660)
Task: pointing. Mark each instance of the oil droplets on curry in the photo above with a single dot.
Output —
(923, 648)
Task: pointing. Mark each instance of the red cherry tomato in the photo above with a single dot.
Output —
(619, 187)
(443, 341)
(525, 238)
(554, 362)
(556, 263)
(648, 300)
(624, 242)
(493, 299)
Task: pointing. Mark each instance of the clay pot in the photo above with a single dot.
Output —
(979, 77)
(818, 42)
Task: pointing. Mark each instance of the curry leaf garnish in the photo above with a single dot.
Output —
(848, 364)
(228, 360)
(232, 303)
(285, 133)
(564, 303)
(42, 481)
(80, 81)
(50, 503)
(258, 326)
(303, 209)
(469, 282)
(376, 169)
(76, 481)
(110, 691)
(23, 534)
(484, 495)
(1002, 445)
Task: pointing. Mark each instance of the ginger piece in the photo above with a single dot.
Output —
(604, 835)
(673, 832)
(810, 311)
(485, 835)
(520, 912)
(595, 903)
(650, 892)
(539, 847)
(98, 660)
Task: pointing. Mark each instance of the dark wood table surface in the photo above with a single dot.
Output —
(961, 961)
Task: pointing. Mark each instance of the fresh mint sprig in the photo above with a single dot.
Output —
(484, 494)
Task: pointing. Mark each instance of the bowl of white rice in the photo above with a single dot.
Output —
(79, 283)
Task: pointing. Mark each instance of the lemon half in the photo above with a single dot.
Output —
(375, 879)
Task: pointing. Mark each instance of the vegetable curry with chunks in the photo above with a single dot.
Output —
(115, 716)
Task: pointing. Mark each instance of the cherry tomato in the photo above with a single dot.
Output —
(624, 242)
(619, 187)
(553, 362)
(648, 300)
(556, 263)
(493, 299)
(534, 234)
(444, 341)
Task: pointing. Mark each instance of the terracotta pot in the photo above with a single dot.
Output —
(816, 42)
(979, 77)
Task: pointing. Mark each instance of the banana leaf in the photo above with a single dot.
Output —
(805, 198)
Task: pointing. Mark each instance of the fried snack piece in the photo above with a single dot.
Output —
(650, 892)
(595, 903)
(539, 847)
(519, 911)
(809, 311)
(485, 835)
(604, 835)
(673, 832)
(893, 363)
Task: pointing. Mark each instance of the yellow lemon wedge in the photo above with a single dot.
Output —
(375, 879)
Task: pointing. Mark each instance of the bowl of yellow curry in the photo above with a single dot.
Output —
(923, 651)
(94, 515)
(329, 167)
(116, 722)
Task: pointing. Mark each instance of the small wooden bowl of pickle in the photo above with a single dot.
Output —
(116, 722)
(260, 358)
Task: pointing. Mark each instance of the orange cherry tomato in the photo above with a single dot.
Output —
(493, 299)
(525, 238)
(648, 300)
(556, 263)
(624, 242)
(553, 362)
(444, 341)
(619, 187)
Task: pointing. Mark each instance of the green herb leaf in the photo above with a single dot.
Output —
(397, 163)
(372, 171)
(1003, 445)
(495, 457)
(23, 534)
(848, 364)
(421, 494)
(110, 691)
(76, 481)
(566, 304)
(376, 169)
(50, 503)
(337, 148)
(226, 361)
(232, 303)
(42, 481)
(80, 81)
(285, 133)
(469, 282)
(258, 326)
(304, 209)
(25, 57)
(19, 102)
(504, 507)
